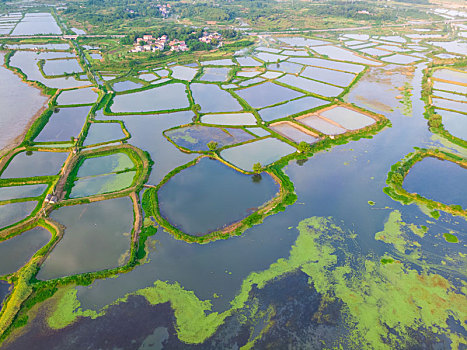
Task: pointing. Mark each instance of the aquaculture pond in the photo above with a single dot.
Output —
(103, 132)
(449, 74)
(61, 67)
(20, 103)
(16, 251)
(267, 94)
(265, 151)
(171, 96)
(215, 74)
(229, 119)
(210, 195)
(23, 191)
(291, 108)
(455, 123)
(440, 85)
(105, 164)
(27, 62)
(77, 97)
(213, 99)
(324, 126)
(14, 212)
(339, 53)
(323, 63)
(328, 76)
(294, 132)
(97, 237)
(126, 85)
(197, 137)
(183, 73)
(100, 184)
(310, 85)
(347, 118)
(37, 23)
(294, 279)
(440, 180)
(63, 124)
(29, 164)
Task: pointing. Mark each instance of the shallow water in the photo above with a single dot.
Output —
(267, 94)
(291, 108)
(37, 23)
(102, 184)
(103, 132)
(328, 76)
(126, 85)
(321, 125)
(77, 97)
(348, 118)
(290, 131)
(104, 227)
(311, 86)
(61, 67)
(213, 99)
(171, 96)
(338, 53)
(190, 198)
(64, 124)
(17, 251)
(229, 119)
(439, 180)
(35, 164)
(14, 212)
(454, 123)
(215, 74)
(196, 137)
(27, 62)
(265, 151)
(24, 191)
(19, 101)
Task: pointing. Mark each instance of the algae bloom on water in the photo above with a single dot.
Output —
(449, 237)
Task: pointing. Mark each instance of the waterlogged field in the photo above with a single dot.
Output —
(291, 229)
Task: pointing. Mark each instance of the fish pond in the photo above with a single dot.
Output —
(265, 151)
(30, 164)
(210, 195)
(196, 137)
(14, 212)
(439, 180)
(17, 251)
(64, 124)
(97, 237)
(171, 96)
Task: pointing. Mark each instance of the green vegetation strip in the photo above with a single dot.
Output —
(399, 170)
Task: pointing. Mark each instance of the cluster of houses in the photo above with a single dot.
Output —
(149, 43)
(164, 9)
(209, 37)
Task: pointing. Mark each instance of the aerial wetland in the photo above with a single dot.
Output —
(306, 192)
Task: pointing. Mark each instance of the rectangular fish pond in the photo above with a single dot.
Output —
(348, 118)
(264, 151)
(294, 132)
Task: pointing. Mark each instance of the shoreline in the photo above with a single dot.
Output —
(16, 141)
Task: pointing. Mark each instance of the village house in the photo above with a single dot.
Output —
(209, 37)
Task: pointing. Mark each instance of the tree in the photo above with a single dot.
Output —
(257, 168)
(212, 145)
(304, 147)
